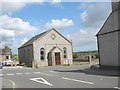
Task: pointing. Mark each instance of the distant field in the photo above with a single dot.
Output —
(85, 54)
(94, 52)
(82, 57)
(93, 62)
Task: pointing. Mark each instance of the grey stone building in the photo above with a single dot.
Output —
(109, 38)
(5, 54)
(46, 49)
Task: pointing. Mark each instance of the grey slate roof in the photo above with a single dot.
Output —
(29, 42)
(111, 24)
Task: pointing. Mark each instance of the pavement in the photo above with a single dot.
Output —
(75, 76)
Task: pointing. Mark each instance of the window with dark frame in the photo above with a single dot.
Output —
(42, 54)
(65, 52)
(7, 57)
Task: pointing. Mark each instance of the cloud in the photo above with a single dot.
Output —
(24, 40)
(92, 18)
(15, 25)
(94, 14)
(56, 23)
(56, 1)
(68, 36)
(8, 7)
(12, 28)
(83, 40)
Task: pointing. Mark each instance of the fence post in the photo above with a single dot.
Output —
(33, 63)
(89, 59)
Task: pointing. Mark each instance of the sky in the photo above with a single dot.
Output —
(79, 21)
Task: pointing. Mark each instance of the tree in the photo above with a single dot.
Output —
(97, 55)
(75, 56)
(15, 57)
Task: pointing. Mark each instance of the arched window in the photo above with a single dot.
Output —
(65, 52)
(42, 54)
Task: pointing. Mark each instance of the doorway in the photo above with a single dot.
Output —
(57, 59)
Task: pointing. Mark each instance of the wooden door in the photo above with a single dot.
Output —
(57, 59)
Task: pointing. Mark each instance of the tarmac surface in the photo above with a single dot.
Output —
(75, 76)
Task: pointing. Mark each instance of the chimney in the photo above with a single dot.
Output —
(115, 5)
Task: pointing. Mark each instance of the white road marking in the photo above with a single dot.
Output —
(27, 73)
(12, 83)
(47, 74)
(10, 74)
(37, 72)
(73, 69)
(43, 81)
(81, 81)
(19, 73)
(117, 87)
(1, 75)
(52, 71)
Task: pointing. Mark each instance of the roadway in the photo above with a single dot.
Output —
(76, 76)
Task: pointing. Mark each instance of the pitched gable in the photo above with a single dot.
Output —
(30, 42)
(111, 24)
(46, 37)
(61, 35)
(55, 48)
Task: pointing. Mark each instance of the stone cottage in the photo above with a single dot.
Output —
(5, 54)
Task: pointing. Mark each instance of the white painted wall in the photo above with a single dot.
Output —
(48, 43)
(108, 47)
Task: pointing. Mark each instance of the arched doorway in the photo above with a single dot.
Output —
(55, 56)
